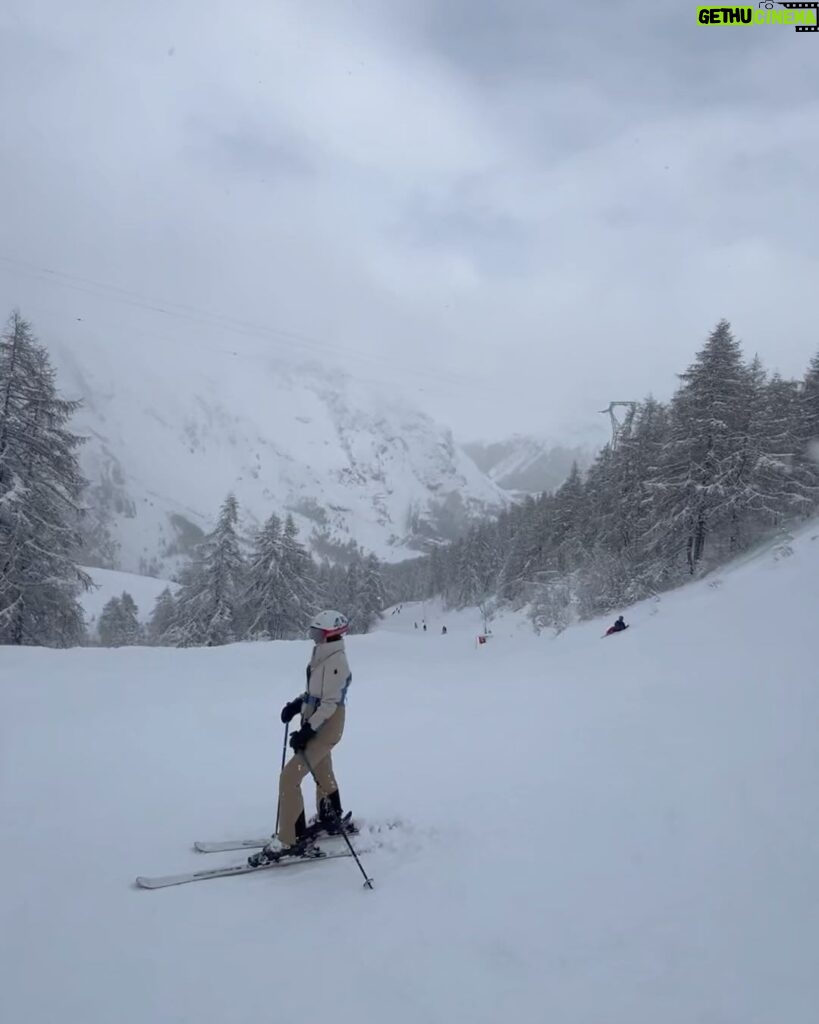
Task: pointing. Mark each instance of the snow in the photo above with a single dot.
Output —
(109, 583)
(170, 437)
(619, 830)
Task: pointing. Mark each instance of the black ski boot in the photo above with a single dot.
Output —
(330, 813)
(276, 850)
(331, 819)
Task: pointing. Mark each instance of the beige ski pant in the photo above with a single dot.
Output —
(317, 753)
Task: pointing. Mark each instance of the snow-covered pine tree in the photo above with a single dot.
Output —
(298, 583)
(162, 618)
(567, 521)
(808, 428)
(552, 606)
(467, 589)
(185, 627)
(208, 603)
(695, 483)
(781, 489)
(131, 628)
(357, 591)
(373, 600)
(40, 489)
(262, 605)
(109, 625)
(809, 401)
(524, 550)
(620, 502)
(605, 531)
(119, 623)
(331, 587)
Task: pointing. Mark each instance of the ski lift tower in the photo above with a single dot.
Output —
(617, 425)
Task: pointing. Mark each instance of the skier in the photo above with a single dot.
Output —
(443, 630)
(322, 708)
(618, 627)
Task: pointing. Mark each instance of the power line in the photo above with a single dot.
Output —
(192, 314)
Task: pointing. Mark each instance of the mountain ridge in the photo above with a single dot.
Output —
(170, 435)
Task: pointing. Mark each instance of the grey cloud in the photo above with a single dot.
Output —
(557, 201)
(498, 244)
(266, 154)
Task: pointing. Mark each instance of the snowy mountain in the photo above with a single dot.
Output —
(640, 846)
(171, 435)
(527, 464)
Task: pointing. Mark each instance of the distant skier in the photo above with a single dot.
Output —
(618, 627)
(443, 630)
(425, 627)
(322, 709)
(416, 625)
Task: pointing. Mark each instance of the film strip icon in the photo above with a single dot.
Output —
(801, 7)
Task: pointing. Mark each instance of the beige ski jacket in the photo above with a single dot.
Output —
(328, 677)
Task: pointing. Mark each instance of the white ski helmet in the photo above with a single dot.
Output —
(328, 625)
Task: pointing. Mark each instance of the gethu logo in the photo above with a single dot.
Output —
(803, 16)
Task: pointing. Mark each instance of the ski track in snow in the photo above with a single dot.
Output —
(622, 833)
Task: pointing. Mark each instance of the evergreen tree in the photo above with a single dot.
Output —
(119, 623)
(807, 430)
(40, 489)
(208, 603)
(524, 550)
(331, 585)
(298, 583)
(706, 448)
(467, 590)
(373, 600)
(781, 488)
(265, 587)
(131, 628)
(109, 624)
(162, 618)
(809, 403)
(568, 521)
(352, 597)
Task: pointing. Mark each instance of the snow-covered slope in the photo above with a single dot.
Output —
(619, 830)
(170, 435)
(109, 583)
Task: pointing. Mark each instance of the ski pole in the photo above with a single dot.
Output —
(368, 882)
(284, 758)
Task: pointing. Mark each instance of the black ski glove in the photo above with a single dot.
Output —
(291, 709)
(300, 738)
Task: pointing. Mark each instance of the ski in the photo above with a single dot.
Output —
(231, 844)
(254, 844)
(162, 881)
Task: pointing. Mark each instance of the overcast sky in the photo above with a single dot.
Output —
(511, 212)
